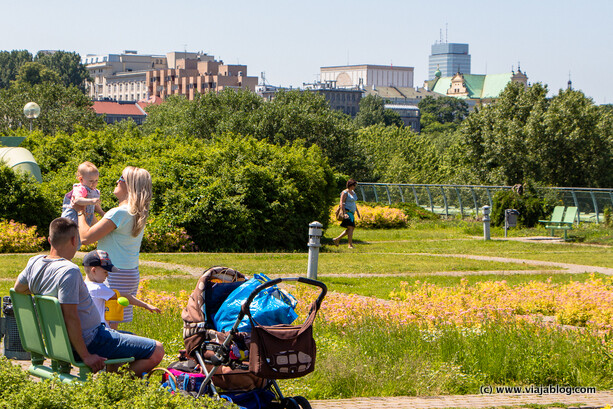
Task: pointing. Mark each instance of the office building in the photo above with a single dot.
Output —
(448, 58)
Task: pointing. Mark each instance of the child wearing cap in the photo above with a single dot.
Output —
(97, 265)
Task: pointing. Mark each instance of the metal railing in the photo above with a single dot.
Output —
(469, 199)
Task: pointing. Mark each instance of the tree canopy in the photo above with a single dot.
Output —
(562, 141)
(67, 65)
(445, 109)
(291, 117)
(373, 112)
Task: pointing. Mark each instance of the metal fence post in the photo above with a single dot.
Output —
(486, 222)
(315, 232)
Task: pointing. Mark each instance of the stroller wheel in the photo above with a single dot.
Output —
(302, 402)
(289, 403)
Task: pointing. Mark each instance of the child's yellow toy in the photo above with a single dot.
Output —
(113, 311)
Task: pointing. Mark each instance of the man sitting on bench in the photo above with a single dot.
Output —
(55, 275)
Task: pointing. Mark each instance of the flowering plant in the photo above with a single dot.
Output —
(19, 238)
(160, 237)
(379, 217)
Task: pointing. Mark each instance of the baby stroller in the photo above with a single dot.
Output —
(243, 366)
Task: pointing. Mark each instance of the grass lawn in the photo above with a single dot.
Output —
(370, 357)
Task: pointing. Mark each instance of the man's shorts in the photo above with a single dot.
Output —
(112, 344)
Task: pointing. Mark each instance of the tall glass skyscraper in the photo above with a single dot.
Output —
(450, 58)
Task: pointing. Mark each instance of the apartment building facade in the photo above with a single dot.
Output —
(195, 75)
(120, 77)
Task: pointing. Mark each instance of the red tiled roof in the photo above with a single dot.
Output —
(115, 108)
(152, 100)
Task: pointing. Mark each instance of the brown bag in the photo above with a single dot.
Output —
(339, 214)
(283, 351)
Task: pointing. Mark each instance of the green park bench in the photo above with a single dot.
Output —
(43, 334)
(561, 219)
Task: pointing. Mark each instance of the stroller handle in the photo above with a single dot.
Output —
(276, 281)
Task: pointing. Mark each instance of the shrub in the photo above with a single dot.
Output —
(380, 217)
(162, 237)
(238, 193)
(19, 238)
(608, 217)
(411, 210)
(22, 200)
(104, 390)
(531, 208)
(228, 193)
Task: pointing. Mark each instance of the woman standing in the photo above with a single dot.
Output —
(349, 209)
(120, 231)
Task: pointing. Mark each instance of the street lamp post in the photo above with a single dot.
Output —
(31, 111)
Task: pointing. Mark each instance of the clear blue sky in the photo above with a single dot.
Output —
(291, 40)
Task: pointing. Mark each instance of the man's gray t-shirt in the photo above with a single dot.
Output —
(62, 278)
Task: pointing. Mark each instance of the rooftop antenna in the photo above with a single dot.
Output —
(440, 34)
(263, 75)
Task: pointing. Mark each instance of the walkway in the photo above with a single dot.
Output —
(507, 401)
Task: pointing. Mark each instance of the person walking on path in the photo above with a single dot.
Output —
(350, 210)
(120, 232)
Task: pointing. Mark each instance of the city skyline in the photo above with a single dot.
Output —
(290, 42)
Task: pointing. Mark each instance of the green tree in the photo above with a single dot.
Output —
(10, 61)
(291, 117)
(398, 155)
(445, 109)
(63, 109)
(565, 141)
(67, 65)
(372, 112)
(33, 73)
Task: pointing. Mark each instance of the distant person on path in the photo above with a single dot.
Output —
(120, 232)
(55, 275)
(98, 265)
(350, 210)
(83, 194)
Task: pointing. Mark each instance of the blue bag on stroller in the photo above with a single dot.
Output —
(271, 306)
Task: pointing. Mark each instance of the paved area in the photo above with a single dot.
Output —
(596, 400)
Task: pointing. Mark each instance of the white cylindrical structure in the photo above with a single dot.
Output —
(22, 160)
(486, 222)
(315, 232)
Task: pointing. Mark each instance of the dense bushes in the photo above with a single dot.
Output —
(23, 200)
(230, 192)
(242, 194)
(531, 208)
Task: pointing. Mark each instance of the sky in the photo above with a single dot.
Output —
(290, 40)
